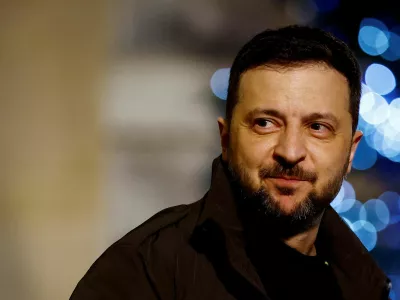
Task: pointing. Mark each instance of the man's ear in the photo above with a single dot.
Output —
(354, 144)
(224, 136)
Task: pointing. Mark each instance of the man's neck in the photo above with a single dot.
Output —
(304, 242)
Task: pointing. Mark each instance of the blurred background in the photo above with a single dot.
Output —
(109, 110)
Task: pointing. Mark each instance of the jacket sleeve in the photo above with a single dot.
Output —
(118, 274)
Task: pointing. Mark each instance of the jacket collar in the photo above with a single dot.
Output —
(220, 227)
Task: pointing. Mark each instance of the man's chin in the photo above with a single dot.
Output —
(285, 205)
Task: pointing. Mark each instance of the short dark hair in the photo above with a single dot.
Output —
(294, 46)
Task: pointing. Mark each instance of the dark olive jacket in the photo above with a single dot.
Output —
(197, 251)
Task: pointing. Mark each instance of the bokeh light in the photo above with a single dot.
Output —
(345, 198)
(365, 156)
(360, 217)
(219, 83)
(349, 192)
(350, 209)
(366, 232)
(392, 201)
(338, 199)
(393, 51)
(392, 295)
(344, 205)
(376, 212)
(365, 89)
(373, 108)
(373, 41)
(366, 128)
(380, 79)
(373, 36)
(394, 113)
(386, 140)
(395, 279)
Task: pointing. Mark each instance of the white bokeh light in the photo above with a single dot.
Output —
(373, 108)
(380, 79)
(394, 116)
(386, 140)
(365, 89)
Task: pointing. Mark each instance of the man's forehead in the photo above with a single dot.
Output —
(271, 76)
(306, 88)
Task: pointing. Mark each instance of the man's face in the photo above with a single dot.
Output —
(290, 137)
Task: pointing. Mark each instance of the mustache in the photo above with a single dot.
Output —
(296, 171)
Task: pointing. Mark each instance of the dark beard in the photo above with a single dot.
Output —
(260, 209)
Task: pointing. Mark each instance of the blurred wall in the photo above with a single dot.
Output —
(52, 59)
(162, 135)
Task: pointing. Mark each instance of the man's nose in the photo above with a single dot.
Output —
(290, 149)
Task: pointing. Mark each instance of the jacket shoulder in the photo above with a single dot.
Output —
(177, 219)
(142, 261)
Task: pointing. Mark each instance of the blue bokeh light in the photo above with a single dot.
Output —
(344, 206)
(350, 209)
(366, 232)
(338, 199)
(380, 79)
(345, 198)
(395, 279)
(392, 201)
(376, 212)
(365, 156)
(395, 158)
(219, 83)
(392, 295)
(393, 51)
(349, 192)
(366, 128)
(373, 36)
(373, 40)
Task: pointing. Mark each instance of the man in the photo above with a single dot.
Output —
(265, 229)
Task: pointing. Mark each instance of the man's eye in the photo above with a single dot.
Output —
(318, 127)
(263, 123)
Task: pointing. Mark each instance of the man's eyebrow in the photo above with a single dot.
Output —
(275, 113)
(319, 116)
(259, 111)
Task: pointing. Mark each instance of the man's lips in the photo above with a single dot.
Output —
(288, 178)
(287, 181)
